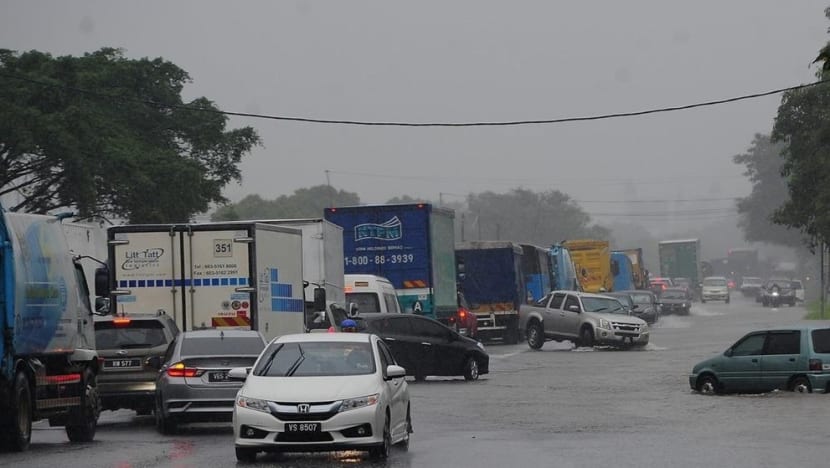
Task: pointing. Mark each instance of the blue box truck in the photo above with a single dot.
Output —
(409, 244)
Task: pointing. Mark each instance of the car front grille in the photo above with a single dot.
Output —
(625, 327)
(319, 411)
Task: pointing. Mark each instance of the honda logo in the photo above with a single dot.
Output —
(303, 408)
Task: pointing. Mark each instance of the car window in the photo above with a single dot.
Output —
(571, 301)
(783, 342)
(641, 298)
(543, 302)
(752, 345)
(428, 328)
(821, 340)
(674, 294)
(314, 359)
(134, 334)
(228, 346)
(714, 282)
(386, 353)
(796, 284)
(366, 302)
(391, 302)
(391, 326)
(556, 303)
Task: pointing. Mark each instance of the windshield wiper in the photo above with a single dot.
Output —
(270, 361)
(296, 365)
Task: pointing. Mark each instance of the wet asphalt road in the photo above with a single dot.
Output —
(559, 407)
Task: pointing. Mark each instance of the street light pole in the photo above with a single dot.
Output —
(821, 280)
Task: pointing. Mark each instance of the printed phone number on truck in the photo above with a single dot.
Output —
(380, 259)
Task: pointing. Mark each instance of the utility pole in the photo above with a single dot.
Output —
(331, 192)
(440, 198)
(463, 222)
(821, 280)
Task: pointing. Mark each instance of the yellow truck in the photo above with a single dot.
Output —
(592, 259)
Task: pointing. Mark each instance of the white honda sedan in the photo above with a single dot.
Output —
(322, 392)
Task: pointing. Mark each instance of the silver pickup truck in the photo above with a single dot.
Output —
(586, 319)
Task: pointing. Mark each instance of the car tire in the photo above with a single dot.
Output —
(246, 454)
(586, 336)
(471, 369)
(166, 425)
(727, 300)
(404, 444)
(801, 384)
(381, 452)
(535, 335)
(17, 433)
(85, 419)
(708, 385)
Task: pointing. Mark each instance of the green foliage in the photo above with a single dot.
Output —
(814, 311)
(405, 199)
(87, 139)
(303, 203)
(763, 161)
(521, 215)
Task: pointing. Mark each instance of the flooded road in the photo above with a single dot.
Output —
(559, 406)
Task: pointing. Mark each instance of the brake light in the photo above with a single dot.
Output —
(462, 314)
(62, 379)
(121, 321)
(663, 286)
(332, 330)
(816, 364)
(180, 370)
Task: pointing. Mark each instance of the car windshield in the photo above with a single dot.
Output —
(624, 298)
(132, 334)
(752, 281)
(316, 359)
(366, 302)
(682, 281)
(641, 298)
(673, 294)
(227, 346)
(714, 282)
(602, 304)
(795, 284)
(779, 283)
(821, 341)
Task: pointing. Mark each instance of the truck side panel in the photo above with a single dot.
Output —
(333, 262)
(47, 302)
(442, 242)
(680, 259)
(491, 279)
(594, 257)
(279, 273)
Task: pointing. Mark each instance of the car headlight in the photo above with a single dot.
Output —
(775, 293)
(252, 403)
(604, 324)
(480, 345)
(360, 402)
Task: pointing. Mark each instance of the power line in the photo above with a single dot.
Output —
(661, 200)
(422, 124)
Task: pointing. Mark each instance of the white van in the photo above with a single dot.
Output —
(371, 294)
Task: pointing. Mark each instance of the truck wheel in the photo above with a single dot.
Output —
(586, 337)
(535, 336)
(471, 369)
(511, 335)
(82, 424)
(17, 432)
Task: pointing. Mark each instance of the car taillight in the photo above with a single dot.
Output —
(663, 286)
(816, 364)
(462, 314)
(180, 370)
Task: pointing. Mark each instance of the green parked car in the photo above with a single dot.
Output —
(796, 359)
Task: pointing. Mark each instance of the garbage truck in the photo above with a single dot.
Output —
(49, 362)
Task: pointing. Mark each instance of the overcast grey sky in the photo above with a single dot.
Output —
(467, 61)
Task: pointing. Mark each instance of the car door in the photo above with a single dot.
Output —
(396, 332)
(437, 355)
(740, 368)
(568, 322)
(781, 358)
(395, 388)
(552, 312)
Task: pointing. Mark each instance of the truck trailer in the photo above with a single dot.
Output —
(592, 259)
(681, 259)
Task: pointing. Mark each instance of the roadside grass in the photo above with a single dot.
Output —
(814, 312)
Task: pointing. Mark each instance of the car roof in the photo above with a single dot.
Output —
(715, 277)
(800, 327)
(216, 333)
(339, 337)
(675, 288)
(583, 294)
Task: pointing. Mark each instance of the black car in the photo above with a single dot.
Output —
(127, 344)
(676, 301)
(776, 292)
(425, 347)
(643, 303)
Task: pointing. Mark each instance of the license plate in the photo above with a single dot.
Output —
(221, 376)
(302, 427)
(122, 363)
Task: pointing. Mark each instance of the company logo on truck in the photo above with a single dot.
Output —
(388, 231)
(137, 259)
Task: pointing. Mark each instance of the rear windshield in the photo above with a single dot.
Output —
(714, 282)
(641, 298)
(821, 341)
(366, 302)
(229, 346)
(135, 334)
(673, 295)
(796, 284)
(315, 359)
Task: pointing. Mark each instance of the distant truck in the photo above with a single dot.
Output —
(623, 272)
(243, 275)
(592, 259)
(638, 267)
(49, 362)
(742, 262)
(493, 283)
(536, 266)
(681, 259)
(411, 245)
(563, 271)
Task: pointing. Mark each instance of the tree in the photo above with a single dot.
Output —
(104, 134)
(303, 203)
(405, 199)
(763, 161)
(521, 215)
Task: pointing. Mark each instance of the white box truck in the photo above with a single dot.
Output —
(245, 275)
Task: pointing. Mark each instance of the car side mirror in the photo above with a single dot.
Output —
(728, 352)
(102, 305)
(102, 282)
(353, 309)
(573, 308)
(635, 307)
(393, 372)
(238, 374)
(153, 362)
(319, 299)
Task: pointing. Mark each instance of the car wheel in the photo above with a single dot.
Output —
(164, 424)
(586, 337)
(801, 384)
(404, 444)
(246, 454)
(708, 385)
(471, 369)
(382, 451)
(535, 335)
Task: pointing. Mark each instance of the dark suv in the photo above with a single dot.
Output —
(126, 344)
